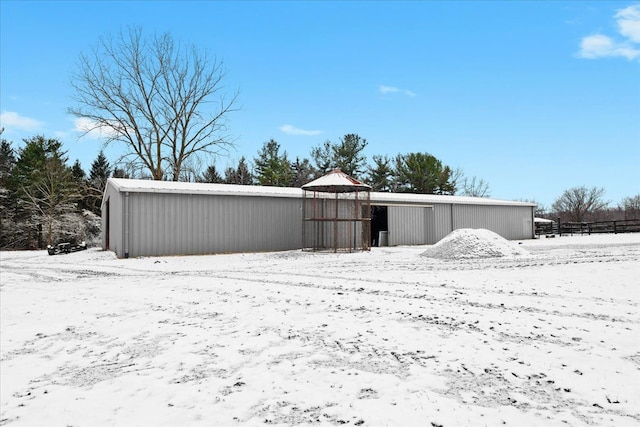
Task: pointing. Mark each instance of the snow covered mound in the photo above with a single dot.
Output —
(468, 243)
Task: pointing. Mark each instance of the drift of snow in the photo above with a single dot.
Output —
(469, 243)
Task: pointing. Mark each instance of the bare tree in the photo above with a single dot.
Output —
(475, 187)
(51, 193)
(631, 207)
(579, 203)
(163, 101)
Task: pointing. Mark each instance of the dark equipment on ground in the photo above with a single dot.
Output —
(65, 248)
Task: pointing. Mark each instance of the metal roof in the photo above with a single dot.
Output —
(149, 186)
(336, 181)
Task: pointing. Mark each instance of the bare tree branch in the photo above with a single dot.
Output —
(164, 102)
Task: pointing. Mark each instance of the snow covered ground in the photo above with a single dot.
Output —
(384, 338)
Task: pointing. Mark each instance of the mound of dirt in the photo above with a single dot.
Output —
(468, 243)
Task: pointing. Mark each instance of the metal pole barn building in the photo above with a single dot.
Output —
(155, 218)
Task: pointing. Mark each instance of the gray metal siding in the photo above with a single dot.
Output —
(442, 222)
(115, 221)
(410, 225)
(168, 223)
(185, 224)
(407, 225)
(511, 222)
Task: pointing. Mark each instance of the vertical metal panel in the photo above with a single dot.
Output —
(115, 221)
(407, 225)
(511, 222)
(442, 222)
(178, 223)
(185, 224)
(410, 225)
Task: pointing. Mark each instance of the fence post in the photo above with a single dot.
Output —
(559, 228)
(615, 227)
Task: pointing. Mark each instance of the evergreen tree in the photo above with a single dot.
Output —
(7, 203)
(32, 157)
(302, 172)
(323, 158)
(98, 175)
(46, 187)
(7, 161)
(120, 173)
(348, 156)
(77, 172)
(381, 175)
(446, 182)
(210, 175)
(80, 178)
(51, 194)
(100, 171)
(230, 176)
(271, 167)
(31, 160)
(423, 173)
(240, 175)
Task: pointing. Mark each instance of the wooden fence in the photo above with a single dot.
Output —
(571, 228)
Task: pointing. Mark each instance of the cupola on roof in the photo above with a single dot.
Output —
(336, 181)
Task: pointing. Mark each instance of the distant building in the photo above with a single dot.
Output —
(154, 218)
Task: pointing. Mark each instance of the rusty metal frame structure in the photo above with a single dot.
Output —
(336, 219)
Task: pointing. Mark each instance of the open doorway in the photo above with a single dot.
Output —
(379, 223)
(107, 231)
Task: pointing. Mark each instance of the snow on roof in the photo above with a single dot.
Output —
(150, 186)
(382, 198)
(538, 219)
(336, 181)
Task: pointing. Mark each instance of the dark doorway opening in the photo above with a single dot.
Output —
(107, 230)
(378, 223)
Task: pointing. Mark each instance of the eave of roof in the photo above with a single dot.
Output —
(149, 186)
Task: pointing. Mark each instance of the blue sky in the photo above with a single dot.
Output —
(532, 97)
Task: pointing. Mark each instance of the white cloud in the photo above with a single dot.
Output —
(629, 23)
(599, 46)
(90, 129)
(388, 89)
(602, 46)
(292, 130)
(9, 119)
(392, 89)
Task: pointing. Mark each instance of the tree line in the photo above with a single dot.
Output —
(417, 172)
(44, 200)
